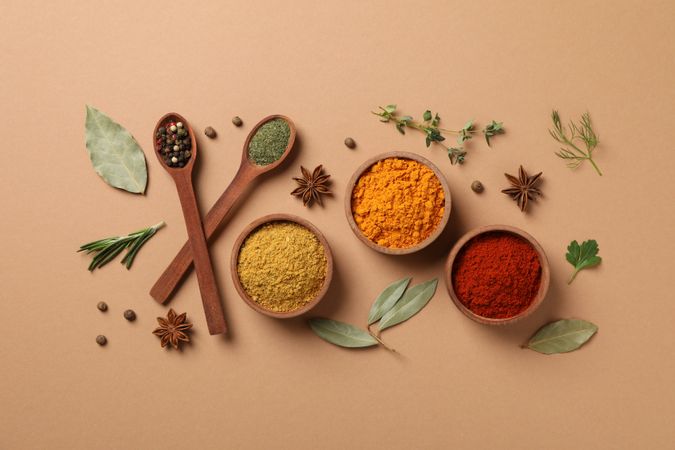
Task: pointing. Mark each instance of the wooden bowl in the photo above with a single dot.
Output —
(543, 285)
(350, 216)
(234, 259)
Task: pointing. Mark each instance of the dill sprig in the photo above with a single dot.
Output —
(107, 249)
(582, 132)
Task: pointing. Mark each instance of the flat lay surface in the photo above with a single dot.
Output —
(271, 383)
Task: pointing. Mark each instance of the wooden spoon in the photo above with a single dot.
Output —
(247, 173)
(182, 176)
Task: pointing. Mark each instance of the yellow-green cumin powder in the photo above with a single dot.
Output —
(282, 266)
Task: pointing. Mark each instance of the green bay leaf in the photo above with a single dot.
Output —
(341, 334)
(412, 302)
(387, 299)
(562, 336)
(114, 153)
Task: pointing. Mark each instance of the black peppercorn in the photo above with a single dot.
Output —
(477, 187)
(349, 142)
(130, 315)
(102, 306)
(101, 340)
(236, 120)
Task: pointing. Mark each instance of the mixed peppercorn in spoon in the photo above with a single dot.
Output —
(174, 144)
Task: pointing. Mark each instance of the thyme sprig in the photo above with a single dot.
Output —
(107, 249)
(434, 133)
(582, 132)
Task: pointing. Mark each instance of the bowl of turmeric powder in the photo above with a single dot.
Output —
(397, 203)
(281, 265)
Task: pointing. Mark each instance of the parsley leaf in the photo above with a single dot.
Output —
(582, 256)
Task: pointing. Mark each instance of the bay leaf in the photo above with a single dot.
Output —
(410, 304)
(562, 336)
(341, 334)
(114, 153)
(387, 299)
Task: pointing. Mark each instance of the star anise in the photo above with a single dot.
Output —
(522, 189)
(173, 329)
(312, 186)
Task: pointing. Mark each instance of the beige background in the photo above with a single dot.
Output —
(274, 384)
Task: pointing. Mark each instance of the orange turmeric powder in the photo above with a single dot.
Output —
(398, 203)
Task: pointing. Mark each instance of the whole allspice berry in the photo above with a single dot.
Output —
(350, 143)
(102, 306)
(236, 120)
(477, 187)
(130, 315)
(210, 132)
(101, 340)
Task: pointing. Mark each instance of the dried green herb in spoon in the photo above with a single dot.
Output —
(269, 142)
(107, 249)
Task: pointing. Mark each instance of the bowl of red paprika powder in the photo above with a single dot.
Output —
(497, 274)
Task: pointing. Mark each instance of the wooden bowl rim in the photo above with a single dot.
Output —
(543, 285)
(291, 142)
(280, 217)
(195, 151)
(401, 155)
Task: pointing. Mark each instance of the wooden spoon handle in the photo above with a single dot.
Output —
(213, 308)
(174, 273)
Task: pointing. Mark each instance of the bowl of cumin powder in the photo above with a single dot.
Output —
(281, 265)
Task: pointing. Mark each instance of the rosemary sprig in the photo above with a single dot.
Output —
(434, 133)
(582, 132)
(107, 249)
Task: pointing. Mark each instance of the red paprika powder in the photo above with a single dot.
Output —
(496, 275)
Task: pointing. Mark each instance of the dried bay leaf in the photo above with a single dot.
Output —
(114, 153)
(562, 336)
(412, 302)
(387, 299)
(341, 334)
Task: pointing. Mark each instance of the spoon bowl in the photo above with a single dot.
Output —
(268, 167)
(248, 172)
(175, 117)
